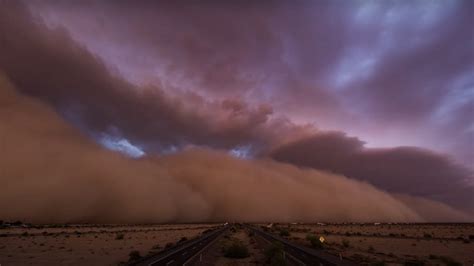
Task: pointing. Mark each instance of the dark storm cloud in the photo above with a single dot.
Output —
(408, 170)
(49, 65)
(369, 68)
(51, 174)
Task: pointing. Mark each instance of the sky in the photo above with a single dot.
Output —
(372, 98)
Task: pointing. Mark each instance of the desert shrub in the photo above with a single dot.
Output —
(284, 232)
(207, 231)
(432, 257)
(119, 237)
(426, 235)
(169, 245)
(251, 233)
(346, 243)
(134, 255)
(236, 250)
(414, 263)
(371, 249)
(275, 254)
(314, 241)
(471, 237)
(183, 239)
(449, 261)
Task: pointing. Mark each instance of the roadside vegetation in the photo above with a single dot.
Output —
(275, 255)
(314, 241)
(236, 250)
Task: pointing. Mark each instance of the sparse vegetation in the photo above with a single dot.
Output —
(414, 263)
(119, 236)
(284, 232)
(134, 255)
(314, 241)
(275, 255)
(346, 243)
(236, 250)
(426, 235)
(448, 261)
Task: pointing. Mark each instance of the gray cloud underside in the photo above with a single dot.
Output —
(402, 70)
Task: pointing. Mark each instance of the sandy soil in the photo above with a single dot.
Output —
(86, 245)
(394, 230)
(393, 244)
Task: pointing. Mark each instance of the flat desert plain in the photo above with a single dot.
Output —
(389, 244)
(88, 244)
(363, 244)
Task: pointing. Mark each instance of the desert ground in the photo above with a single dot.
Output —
(390, 244)
(88, 244)
(363, 244)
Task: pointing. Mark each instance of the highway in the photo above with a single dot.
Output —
(302, 255)
(186, 254)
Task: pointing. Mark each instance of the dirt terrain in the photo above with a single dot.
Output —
(395, 244)
(365, 244)
(215, 254)
(88, 244)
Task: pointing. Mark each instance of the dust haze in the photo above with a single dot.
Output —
(51, 173)
(56, 95)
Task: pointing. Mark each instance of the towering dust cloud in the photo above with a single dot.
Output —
(56, 96)
(50, 173)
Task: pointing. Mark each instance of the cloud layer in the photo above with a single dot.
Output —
(407, 170)
(392, 73)
(50, 173)
(48, 163)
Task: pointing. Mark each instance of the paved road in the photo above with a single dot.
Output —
(185, 254)
(302, 255)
